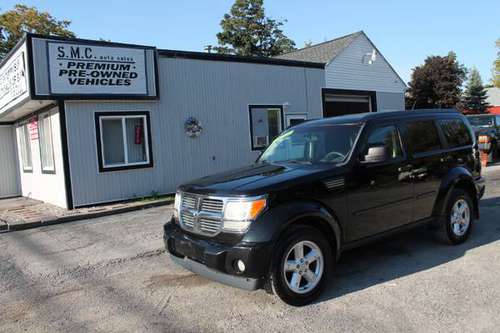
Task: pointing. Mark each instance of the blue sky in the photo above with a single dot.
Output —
(404, 31)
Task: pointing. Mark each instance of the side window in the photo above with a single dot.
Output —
(265, 125)
(498, 120)
(386, 136)
(123, 140)
(422, 136)
(24, 142)
(455, 132)
(45, 140)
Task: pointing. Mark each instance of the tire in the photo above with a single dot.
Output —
(283, 281)
(459, 218)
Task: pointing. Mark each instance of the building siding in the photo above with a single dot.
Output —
(42, 186)
(218, 94)
(9, 177)
(390, 101)
(347, 70)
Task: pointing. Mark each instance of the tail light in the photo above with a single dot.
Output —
(484, 139)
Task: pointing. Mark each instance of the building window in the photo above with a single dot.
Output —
(46, 146)
(294, 119)
(123, 140)
(266, 123)
(23, 134)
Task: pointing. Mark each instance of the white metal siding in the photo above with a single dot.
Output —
(9, 174)
(347, 70)
(216, 93)
(390, 101)
(41, 186)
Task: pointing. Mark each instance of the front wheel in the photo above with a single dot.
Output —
(459, 217)
(301, 266)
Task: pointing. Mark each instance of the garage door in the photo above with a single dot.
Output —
(338, 105)
(9, 177)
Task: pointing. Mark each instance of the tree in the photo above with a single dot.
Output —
(23, 19)
(437, 83)
(247, 31)
(496, 67)
(475, 94)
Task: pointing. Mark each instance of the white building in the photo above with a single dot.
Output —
(86, 122)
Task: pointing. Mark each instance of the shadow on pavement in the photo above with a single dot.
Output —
(407, 253)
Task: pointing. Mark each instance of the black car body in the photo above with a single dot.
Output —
(403, 169)
(487, 125)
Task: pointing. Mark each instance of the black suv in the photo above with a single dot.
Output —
(487, 125)
(323, 187)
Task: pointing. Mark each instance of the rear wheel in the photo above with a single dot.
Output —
(459, 217)
(302, 266)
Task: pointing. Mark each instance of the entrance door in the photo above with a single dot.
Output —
(9, 178)
(338, 102)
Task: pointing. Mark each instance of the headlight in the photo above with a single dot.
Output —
(238, 214)
(177, 204)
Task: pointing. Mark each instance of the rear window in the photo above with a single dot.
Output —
(455, 132)
(422, 136)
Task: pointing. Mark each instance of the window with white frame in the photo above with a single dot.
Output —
(266, 123)
(23, 135)
(294, 119)
(123, 140)
(45, 141)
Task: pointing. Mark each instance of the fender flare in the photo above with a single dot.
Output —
(451, 180)
(273, 223)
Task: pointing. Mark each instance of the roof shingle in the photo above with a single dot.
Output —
(323, 52)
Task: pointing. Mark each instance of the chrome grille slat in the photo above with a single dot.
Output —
(201, 214)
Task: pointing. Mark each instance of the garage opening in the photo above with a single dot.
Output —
(341, 103)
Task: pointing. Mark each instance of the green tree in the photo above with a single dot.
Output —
(475, 95)
(23, 19)
(496, 67)
(437, 83)
(247, 31)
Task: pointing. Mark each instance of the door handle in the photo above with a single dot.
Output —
(405, 168)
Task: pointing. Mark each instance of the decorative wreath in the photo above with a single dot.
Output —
(192, 127)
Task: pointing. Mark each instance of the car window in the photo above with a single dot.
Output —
(455, 132)
(422, 136)
(386, 136)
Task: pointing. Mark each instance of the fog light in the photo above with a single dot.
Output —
(241, 265)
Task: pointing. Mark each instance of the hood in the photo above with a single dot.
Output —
(255, 179)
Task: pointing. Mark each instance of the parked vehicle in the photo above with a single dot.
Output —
(487, 130)
(323, 187)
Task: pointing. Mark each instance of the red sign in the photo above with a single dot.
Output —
(33, 128)
(138, 134)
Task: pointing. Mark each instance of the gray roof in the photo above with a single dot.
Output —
(322, 53)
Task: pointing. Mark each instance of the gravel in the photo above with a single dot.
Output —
(112, 274)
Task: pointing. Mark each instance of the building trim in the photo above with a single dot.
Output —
(102, 168)
(65, 154)
(370, 93)
(236, 58)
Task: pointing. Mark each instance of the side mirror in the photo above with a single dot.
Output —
(376, 154)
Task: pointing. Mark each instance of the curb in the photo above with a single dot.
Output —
(66, 219)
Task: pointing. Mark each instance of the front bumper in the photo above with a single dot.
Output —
(217, 261)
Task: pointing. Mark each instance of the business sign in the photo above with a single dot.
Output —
(33, 128)
(13, 78)
(80, 69)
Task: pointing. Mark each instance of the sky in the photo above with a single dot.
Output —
(405, 32)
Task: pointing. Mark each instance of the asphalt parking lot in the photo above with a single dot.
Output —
(112, 274)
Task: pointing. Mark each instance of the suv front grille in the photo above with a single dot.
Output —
(201, 214)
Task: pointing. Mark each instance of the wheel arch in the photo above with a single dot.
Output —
(458, 178)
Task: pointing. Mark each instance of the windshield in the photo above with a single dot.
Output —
(482, 121)
(328, 143)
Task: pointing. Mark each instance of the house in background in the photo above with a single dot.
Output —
(494, 100)
(357, 76)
